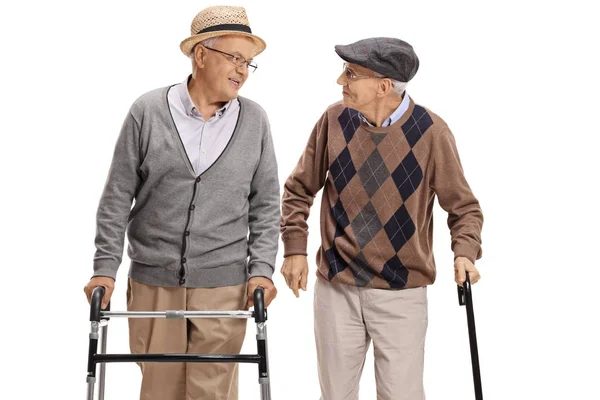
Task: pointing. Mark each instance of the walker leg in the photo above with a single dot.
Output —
(263, 367)
(93, 348)
(102, 367)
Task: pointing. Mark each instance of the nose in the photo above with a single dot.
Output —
(242, 69)
(341, 80)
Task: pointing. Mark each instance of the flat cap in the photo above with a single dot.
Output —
(393, 58)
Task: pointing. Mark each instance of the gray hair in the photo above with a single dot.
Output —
(399, 87)
(210, 42)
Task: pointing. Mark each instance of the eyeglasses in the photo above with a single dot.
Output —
(350, 76)
(238, 61)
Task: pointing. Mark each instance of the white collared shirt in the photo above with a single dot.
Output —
(396, 115)
(204, 141)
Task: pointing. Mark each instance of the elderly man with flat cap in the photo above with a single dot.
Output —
(382, 159)
(198, 159)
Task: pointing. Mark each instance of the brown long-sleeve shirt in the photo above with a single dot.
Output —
(379, 187)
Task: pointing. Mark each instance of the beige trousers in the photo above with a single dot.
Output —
(186, 381)
(347, 318)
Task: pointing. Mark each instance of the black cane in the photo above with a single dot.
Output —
(465, 298)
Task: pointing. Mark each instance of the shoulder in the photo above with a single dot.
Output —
(252, 108)
(254, 120)
(335, 110)
(428, 121)
(150, 101)
(334, 114)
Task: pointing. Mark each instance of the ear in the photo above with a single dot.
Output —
(385, 86)
(199, 55)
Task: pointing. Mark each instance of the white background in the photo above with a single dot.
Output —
(517, 81)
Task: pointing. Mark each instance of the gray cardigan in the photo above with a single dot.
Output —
(212, 230)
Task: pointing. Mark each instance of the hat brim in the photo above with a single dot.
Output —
(188, 44)
(345, 53)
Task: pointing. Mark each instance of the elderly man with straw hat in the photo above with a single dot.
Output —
(382, 159)
(199, 162)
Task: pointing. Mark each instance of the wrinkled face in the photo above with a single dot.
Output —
(360, 86)
(220, 76)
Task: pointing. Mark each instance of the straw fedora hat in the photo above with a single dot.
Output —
(220, 21)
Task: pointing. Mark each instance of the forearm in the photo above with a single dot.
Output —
(465, 218)
(301, 188)
(264, 214)
(465, 225)
(114, 207)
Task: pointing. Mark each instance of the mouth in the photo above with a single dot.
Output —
(236, 84)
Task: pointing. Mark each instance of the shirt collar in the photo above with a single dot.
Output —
(188, 104)
(396, 115)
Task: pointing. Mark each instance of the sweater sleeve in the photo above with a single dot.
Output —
(263, 213)
(300, 189)
(120, 188)
(465, 218)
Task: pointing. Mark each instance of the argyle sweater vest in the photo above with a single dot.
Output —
(379, 186)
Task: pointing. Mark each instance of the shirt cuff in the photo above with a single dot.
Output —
(472, 253)
(295, 246)
(260, 269)
(105, 267)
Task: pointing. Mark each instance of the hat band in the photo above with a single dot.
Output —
(226, 27)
